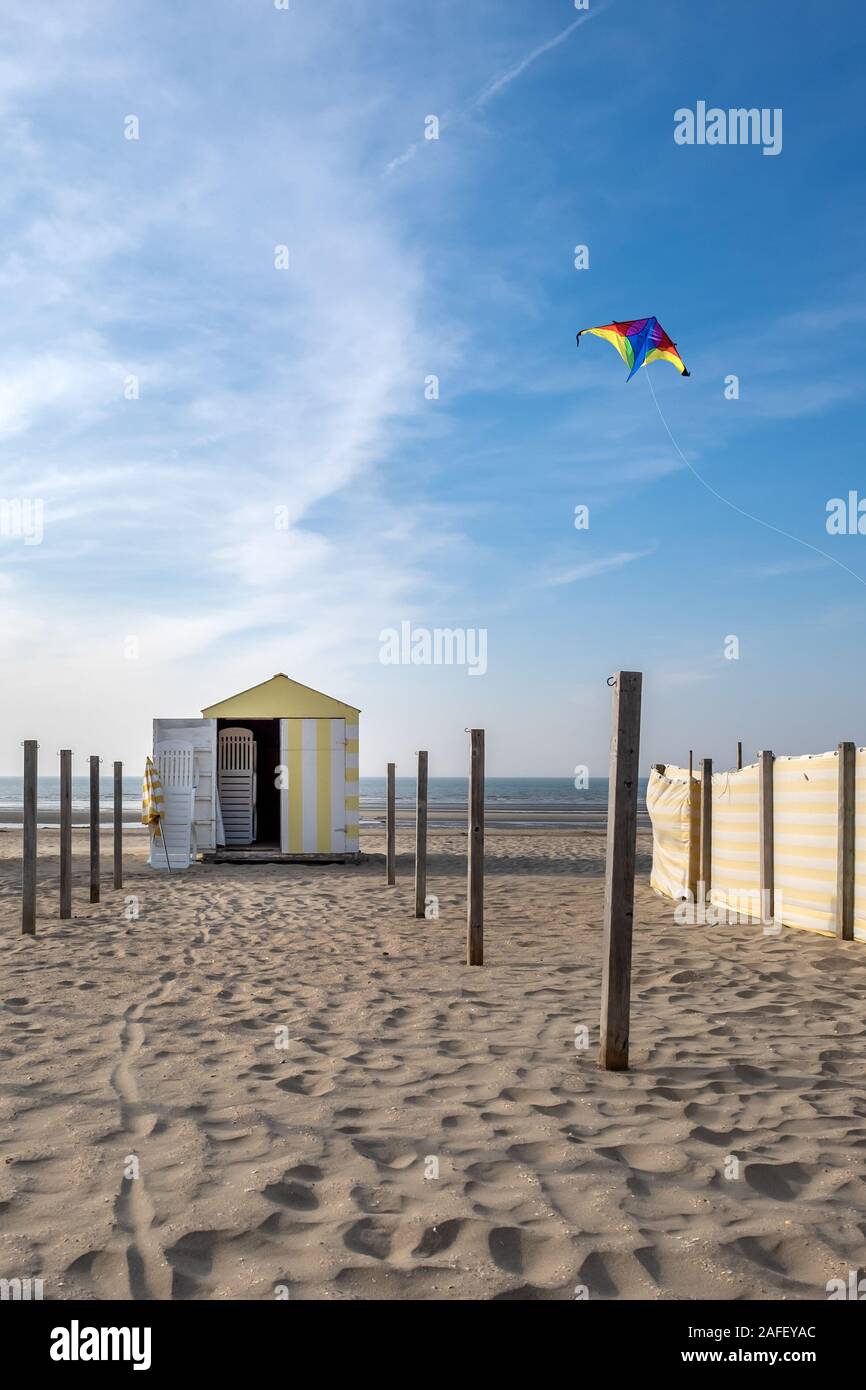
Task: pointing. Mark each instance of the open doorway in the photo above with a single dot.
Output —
(265, 829)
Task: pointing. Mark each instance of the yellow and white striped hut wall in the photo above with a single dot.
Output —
(318, 758)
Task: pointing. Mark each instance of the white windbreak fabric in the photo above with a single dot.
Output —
(805, 839)
(736, 868)
(670, 806)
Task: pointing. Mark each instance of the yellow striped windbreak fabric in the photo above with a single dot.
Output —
(805, 814)
(736, 869)
(152, 802)
(805, 839)
(672, 804)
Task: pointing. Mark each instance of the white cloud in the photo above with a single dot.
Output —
(602, 564)
(503, 80)
(259, 388)
(498, 84)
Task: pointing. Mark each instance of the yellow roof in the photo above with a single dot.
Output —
(280, 698)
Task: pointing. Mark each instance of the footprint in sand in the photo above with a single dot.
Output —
(148, 1271)
(306, 1085)
(304, 1172)
(547, 1154)
(782, 1181)
(646, 1158)
(439, 1238)
(291, 1194)
(386, 1153)
(378, 1200)
(370, 1236)
(541, 1259)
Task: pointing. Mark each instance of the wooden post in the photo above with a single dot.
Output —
(694, 865)
(739, 757)
(28, 873)
(65, 832)
(118, 825)
(694, 868)
(845, 850)
(475, 864)
(619, 870)
(391, 854)
(421, 838)
(765, 836)
(706, 826)
(94, 828)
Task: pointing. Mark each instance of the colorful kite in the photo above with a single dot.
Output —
(638, 341)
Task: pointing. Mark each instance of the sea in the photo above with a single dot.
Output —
(509, 801)
(512, 801)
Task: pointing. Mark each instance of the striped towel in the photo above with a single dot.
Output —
(152, 802)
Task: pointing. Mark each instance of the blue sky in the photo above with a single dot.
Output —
(304, 389)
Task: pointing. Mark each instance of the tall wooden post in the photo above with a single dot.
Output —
(28, 872)
(706, 826)
(739, 757)
(475, 864)
(421, 837)
(765, 836)
(694, 827)
(694, 865)
(845, 847)
(118, 825)
(391, 826)
(65, 832)
(619, 870)
(94, 828)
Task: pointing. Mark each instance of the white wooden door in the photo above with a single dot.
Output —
(200, 735)
(237, 784)
(172, 849)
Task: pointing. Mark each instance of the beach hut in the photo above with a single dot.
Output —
(274, 776)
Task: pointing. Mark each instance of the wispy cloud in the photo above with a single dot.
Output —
(498, 84)
(590, 569)
(232, 503)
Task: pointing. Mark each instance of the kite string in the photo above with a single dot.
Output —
(741, 510)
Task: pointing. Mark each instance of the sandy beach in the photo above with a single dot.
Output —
(419, 1129)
